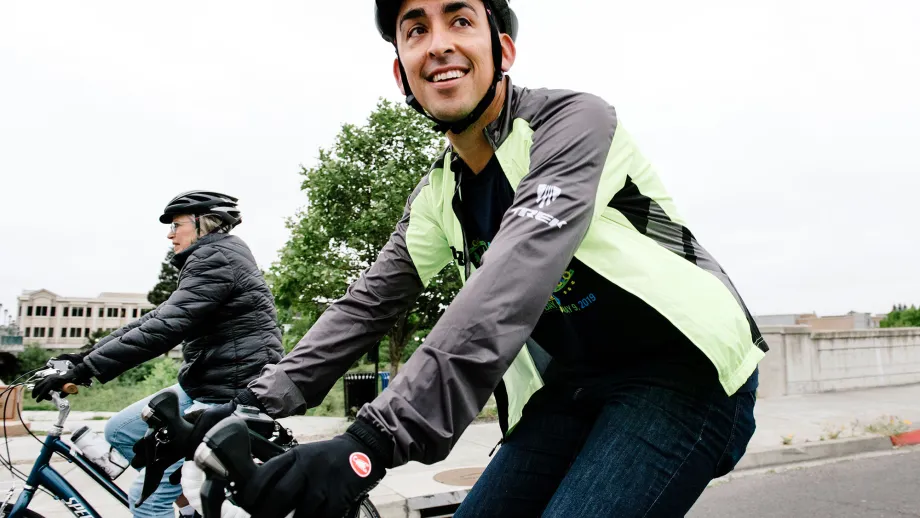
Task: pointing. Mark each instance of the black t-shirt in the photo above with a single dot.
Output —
(590, 326)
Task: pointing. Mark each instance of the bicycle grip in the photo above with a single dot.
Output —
(70, 388)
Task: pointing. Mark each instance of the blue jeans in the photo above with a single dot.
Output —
(122, 431)
(635, 449)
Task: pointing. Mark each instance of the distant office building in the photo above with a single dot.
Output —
(850, 321)
(53, 321)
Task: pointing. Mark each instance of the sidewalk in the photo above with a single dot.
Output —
(408, 489)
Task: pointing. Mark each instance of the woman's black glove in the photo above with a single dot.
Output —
(74, 358)
(79, 375)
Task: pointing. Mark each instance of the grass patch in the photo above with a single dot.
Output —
(112, 397)
(888, 425)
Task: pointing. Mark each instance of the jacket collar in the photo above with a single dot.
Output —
(496, 132)
(499, 129)
(179, 259)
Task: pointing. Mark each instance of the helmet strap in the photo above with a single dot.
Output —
(462, 125)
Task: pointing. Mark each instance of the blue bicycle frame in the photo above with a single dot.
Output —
(43, 475)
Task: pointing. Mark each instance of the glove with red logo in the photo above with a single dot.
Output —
(322, 479)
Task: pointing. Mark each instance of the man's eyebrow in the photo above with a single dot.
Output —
(412, 14)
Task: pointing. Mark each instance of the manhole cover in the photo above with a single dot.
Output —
(459, 477)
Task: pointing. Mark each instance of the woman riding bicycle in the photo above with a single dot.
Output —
(222, 310)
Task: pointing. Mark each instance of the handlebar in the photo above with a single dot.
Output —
(165, 426)
(263, 439)
(225, 456)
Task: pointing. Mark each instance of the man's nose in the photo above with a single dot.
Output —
(440, 42)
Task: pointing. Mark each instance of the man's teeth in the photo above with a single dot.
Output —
(444, 76)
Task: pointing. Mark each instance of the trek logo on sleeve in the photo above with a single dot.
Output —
(539, 216)
(547, 194)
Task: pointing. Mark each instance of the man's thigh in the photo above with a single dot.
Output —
(524, 474)
(651, 453)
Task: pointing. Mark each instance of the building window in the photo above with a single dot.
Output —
(53, 310)
(41, 332)
(66, 311)
(50, 332)
(73, 332)
(86, 332)
(100, 313)
(78, 312)
(124, 312)
(20, 310)
(134, 313)
(63, 332)
(28, 332)
(29, 311)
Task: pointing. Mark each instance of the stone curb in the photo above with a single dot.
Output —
(813, 451)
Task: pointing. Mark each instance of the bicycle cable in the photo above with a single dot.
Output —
(8, 462)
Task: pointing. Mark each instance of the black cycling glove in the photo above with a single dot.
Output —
(322, 479)
(79, 375)
(74, 358)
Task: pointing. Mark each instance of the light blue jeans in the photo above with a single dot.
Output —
(123, 430)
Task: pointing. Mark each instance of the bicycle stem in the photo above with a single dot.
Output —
(63, 412)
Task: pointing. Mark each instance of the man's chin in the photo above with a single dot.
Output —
(450, 114)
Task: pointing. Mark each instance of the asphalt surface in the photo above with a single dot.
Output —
(887, 486)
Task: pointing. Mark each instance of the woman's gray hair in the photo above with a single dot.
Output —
(209, 223)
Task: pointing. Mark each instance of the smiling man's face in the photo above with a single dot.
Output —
(446, 50)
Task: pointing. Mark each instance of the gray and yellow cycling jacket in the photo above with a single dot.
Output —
(569, 162)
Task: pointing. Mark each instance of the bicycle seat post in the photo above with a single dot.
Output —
(63, 412)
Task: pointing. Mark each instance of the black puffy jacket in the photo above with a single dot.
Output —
(224, 312)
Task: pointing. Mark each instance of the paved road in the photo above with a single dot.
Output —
(886, 486)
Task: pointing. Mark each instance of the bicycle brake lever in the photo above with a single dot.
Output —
(153, 472)
(162, 416)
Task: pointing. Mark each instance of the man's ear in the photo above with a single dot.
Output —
(509, 52)
(398, 76)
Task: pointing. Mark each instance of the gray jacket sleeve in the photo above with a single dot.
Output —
(204, 284)
(448, 380)
(346, 330)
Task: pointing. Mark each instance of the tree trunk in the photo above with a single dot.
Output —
(398, 335)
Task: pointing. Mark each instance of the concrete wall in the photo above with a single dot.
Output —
(802, 362)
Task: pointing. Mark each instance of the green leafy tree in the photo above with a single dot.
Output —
(902, 316)
(355, 196)
(33, 357)
(167, 282)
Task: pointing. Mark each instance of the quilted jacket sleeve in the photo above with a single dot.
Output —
(205, 282)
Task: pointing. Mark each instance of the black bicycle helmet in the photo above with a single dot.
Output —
(387, 10)
(199, 203)
(501, 20)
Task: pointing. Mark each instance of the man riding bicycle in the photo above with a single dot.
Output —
(222, 310)
(622, 358)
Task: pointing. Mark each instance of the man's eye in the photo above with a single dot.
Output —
(462, 22)
(415, 31)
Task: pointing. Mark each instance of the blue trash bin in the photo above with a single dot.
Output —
(384, 380)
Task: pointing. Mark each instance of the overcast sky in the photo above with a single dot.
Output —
(786, 130)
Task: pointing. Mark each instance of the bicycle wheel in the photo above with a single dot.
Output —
(367, 510)
(27, 514)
